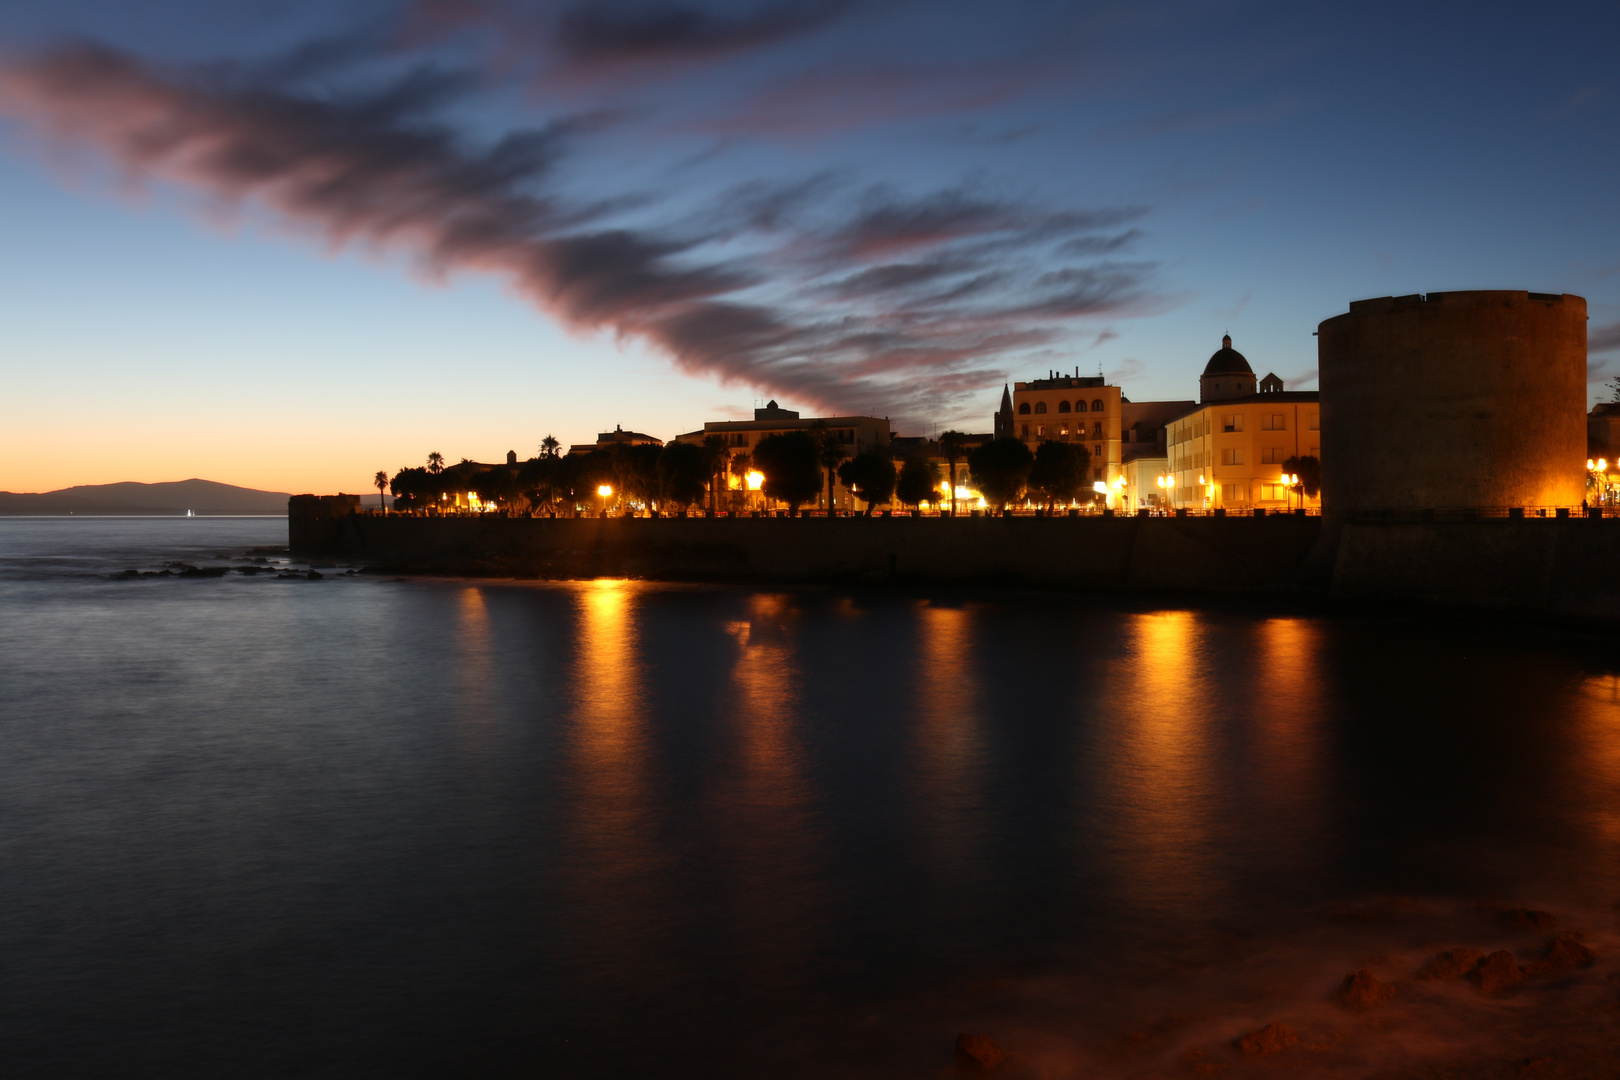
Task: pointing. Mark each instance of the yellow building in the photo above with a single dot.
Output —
(1229, 450)
(858, 434)
(1066, 408)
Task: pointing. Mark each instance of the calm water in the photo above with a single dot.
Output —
(356, 826)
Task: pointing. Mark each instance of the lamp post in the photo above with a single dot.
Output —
(606, 492)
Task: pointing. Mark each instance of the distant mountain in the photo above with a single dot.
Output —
(176, 497)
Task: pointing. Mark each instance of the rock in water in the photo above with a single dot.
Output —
(1452, 964)
(1497, 973)
(1528, 919)
(1274, 1038)
(1361, 991)
(977, 1054)
(1563, 953)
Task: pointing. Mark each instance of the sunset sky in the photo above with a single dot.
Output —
(287, 244)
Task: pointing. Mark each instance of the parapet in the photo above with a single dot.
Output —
(1476, 298)
(322, 507)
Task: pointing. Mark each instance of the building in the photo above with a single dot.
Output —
(1066, 408)
(857, 434)
(1228, 451)
(1455, 400)
(1603, 430)
(617, 437)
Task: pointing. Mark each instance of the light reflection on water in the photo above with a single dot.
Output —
(609, 828)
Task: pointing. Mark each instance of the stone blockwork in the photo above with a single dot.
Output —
(1226, 555)
(1460, 399)
(1537, 566)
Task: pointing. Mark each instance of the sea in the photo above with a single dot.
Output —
(263, 817)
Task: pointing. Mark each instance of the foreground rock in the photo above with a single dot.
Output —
(1361, 991)
(1497, 973)
(1563, 953)
(1452, 964)
(1274, 1038)
(1528, 919)
(977, 1054)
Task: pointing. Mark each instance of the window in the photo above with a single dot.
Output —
(1232, 455)
(1271, 455)
(1023, 408)
(1234, 493)
(1026, 431)
(1063, 406)
(1040, 429)
(1274, 493)
(1097, 406)
(1064, 430)
(1314, 420)
(1040, 408)
(1096, 430)
(1232, 422)
(1096, 451)
(1273, 422)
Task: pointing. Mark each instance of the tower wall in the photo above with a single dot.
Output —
(1462, 399)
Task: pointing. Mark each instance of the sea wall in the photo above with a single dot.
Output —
(1561, 567)
(1532, 565)
(1223, 555)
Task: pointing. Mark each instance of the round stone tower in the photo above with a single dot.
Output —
(1454, 400)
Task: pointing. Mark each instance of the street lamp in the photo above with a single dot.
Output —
(606, 492)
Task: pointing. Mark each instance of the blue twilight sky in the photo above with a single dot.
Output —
(288, 244)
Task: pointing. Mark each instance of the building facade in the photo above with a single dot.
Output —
(1066, 408)
(857, 434)
(1229, 450)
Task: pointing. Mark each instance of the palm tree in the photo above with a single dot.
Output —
(952, 444)
(435, 463)
(381, 482)
(549, 446)
(831, 452)
(715, 455)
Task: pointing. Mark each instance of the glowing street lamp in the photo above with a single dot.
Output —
(606, 491)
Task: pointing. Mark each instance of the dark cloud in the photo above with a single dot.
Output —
(1603, 338)
(897, 300)
(604, 31)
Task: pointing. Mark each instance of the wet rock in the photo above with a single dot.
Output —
(314, 575)
(1563, 953)
(1361, 991)
(1497, 973)
(1528, 919)
(1452, 964)
(1274, 1038)
(977, 1054)
(205, 571)
(127, 574)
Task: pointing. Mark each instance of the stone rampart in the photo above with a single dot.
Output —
(1528, 565)
(1225, 555)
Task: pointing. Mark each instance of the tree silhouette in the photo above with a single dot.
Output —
(953, 444)
(1309, 471)
(918, 481)
(682, 471)
(549, 446)
(715, 455)
(1059, 471)
(1000, 468)
(830, 451)
(380, 482)
(870, 476)
(435, 463)
(791, 465)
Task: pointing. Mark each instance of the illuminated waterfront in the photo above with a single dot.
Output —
(358, 826)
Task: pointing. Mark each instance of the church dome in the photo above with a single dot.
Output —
(1228, 361)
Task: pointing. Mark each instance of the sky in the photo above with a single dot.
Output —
(285, 245)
